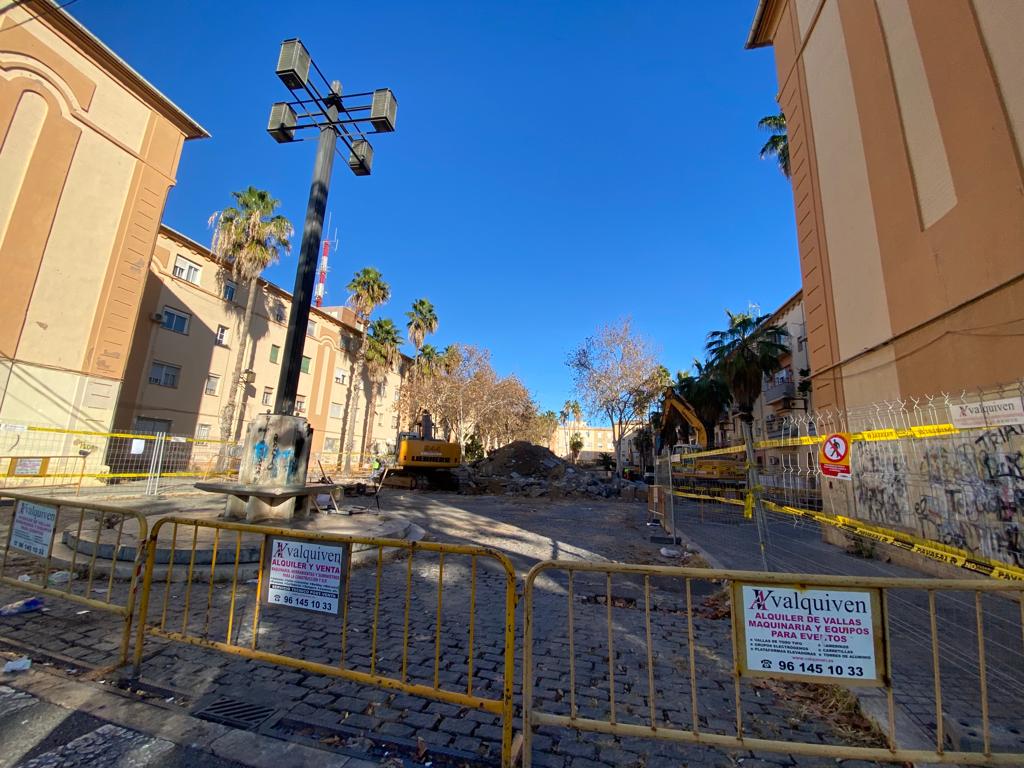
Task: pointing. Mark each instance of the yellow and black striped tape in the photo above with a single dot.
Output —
(933, 550)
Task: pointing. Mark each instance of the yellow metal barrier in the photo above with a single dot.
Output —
(331, 604)
(643, 720)
(35, 529)
(43, 467)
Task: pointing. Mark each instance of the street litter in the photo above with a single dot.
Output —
(18, 665)
(24, 578)
(79, 613)
(27, 605)
(668, 552)
(60, 577)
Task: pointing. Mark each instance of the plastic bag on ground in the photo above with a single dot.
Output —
(22, 606)
(18, 665)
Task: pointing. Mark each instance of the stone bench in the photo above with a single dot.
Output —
(261, 503)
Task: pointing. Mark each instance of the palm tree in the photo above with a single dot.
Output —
(575, 446)
(428, 358)
(381, 355)
(563, 419)
(422, 322)
(742, 355)
(778, 145)
(707, 394)
(367, 291)
(249, 237)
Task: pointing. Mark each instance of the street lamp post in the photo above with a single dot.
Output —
(334, 116)
(277, 445)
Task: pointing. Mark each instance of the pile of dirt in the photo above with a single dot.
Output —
(526, 469)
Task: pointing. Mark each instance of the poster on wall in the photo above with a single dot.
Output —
(809, 634)
(991, 413)
(32, 529)
(304, 574)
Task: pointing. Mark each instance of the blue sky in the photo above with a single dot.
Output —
(557, 165)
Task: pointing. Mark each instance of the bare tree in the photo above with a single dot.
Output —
(616, 374)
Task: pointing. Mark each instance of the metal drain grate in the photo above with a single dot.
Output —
(236, 713)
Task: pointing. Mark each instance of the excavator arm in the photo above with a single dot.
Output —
(671, 401)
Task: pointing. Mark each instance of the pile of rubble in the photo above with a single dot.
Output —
(525, 469)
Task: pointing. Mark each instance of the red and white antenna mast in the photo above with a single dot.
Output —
(322, 280)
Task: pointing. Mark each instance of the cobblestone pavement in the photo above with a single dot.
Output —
(796, 545)
(527, 530)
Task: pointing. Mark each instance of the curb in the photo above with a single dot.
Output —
(158, 720)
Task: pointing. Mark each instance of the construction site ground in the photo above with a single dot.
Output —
(356, 722)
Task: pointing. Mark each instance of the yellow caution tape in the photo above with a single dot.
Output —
(933, 550)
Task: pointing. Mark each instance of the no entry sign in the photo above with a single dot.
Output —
(834, 455)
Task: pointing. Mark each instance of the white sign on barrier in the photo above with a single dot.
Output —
(33, 526)
(991, 413)
(304, 574)
(787, 632)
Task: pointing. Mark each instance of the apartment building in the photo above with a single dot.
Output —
(88, 152)
(906, 141)
(183, 356)
(596, 440)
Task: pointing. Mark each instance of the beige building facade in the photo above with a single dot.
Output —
(596, 440)
(88, 153)
(906, 135)
(182, 360)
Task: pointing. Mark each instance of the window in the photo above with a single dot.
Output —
(186, 270)
(335, 410)
(275, 351)
(212, 383)
(279, 313)
(146, 424)
(382, 389)
(229, 290)
(268, 396)
(339, 376)
(311, 328)
(397, 393)
(300, 404)
(223, 333)
(305, 364)
(175, 321)
(164, 374)
(380, 419)
(330, 445)
(202, 431)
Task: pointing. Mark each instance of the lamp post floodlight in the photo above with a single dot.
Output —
(319, 104)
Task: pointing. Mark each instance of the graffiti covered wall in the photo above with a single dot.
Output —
(964, 489)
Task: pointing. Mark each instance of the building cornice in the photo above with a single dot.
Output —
(49, 12)
(766, 21)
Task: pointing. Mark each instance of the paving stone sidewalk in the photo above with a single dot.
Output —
(528, 531)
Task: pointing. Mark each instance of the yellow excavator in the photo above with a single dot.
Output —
(723, 470)
(423, 461)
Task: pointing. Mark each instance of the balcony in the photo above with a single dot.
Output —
(779, 390)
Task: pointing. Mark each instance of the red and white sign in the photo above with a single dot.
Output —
(834, 455)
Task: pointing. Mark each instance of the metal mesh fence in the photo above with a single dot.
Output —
(945, 469)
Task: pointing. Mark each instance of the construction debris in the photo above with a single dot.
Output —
(526, 469)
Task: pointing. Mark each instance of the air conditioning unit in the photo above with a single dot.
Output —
(293, 64)
(383, 109)
(282, 123)
(157, 317)
(249, 376)
(361, 157)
